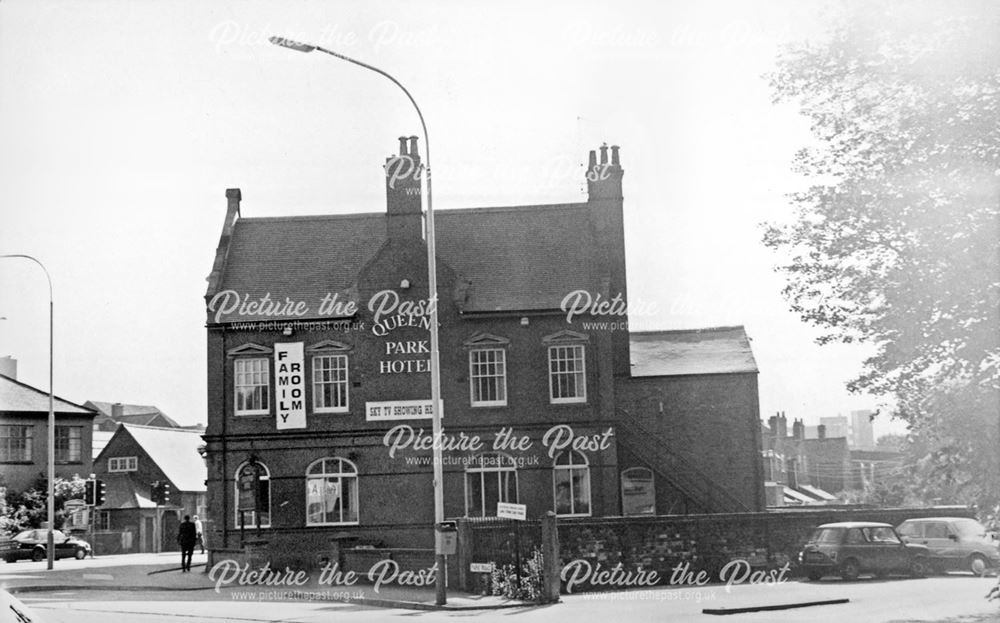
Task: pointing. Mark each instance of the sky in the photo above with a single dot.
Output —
(123, 122)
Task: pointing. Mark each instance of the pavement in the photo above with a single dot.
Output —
(162, 572)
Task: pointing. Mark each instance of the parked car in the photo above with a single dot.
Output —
(955, 543)
(850, 549)
(31, 544)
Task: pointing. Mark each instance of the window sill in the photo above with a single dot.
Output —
(488, 405)
(328, 525)
(332, 411)
(17, 462)
(254, 414)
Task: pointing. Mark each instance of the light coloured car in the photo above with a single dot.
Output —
(955, 543)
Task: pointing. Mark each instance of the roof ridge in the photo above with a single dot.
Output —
(167, 428)
(310, 217)
(515, 208)
(44, 393)
(699, 330)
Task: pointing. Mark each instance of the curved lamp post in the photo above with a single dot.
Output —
(50, 545)
(435, 363)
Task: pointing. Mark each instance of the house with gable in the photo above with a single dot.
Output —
(133, 461)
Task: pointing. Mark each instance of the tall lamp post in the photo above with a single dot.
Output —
(435, 362)
(50, 545)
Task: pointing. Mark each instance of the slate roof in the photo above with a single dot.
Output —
(132, 414)
(23, 398)
(719, 350)
(175, 452)
(514, 258)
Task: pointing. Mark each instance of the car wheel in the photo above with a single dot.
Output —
(80, 553)
(10, 559)
(38, 555)
(977, 564)
(850, 569)
(919, 567)
(815, 576)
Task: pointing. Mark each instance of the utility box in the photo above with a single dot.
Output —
(446, 538)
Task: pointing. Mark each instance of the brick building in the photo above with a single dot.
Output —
(24, 430)
(317, 345)
(135, 458)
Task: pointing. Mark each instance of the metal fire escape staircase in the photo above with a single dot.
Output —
(684, 476)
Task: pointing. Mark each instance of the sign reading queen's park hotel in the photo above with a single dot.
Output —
(318, 374)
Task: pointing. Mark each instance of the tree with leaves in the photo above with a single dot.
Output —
(896, 242)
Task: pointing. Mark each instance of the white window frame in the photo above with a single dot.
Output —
(318, 383)
(341, 475)
(266, 371)
(571, 467)
(503, 463)
(250, 517)
(500, 379)
(581, 374)
(123, 463)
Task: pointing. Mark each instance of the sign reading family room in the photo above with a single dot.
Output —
(399, 410)
(290, 385)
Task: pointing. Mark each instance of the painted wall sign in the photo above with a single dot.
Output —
(289, 376)
(512, 511)
(400, 410)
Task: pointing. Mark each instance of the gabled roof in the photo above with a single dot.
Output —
(512, 258)
(132, 414)
(20, 397)
(719, 350)
(175, 452)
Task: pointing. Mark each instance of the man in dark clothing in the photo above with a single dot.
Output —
(187, 536)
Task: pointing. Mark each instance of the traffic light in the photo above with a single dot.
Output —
(100, 493)
(88, 492)
(160, 493)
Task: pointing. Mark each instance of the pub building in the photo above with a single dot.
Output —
(318, 375)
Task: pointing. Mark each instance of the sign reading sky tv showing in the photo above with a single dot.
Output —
(400, 410)
(290, 385)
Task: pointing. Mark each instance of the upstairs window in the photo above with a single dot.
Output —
(330, 384)
(488, 377)
(123, 464)
(252, 387)
(567, 367)
(567, 374)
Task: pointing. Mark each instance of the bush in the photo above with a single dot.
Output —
(526, 586)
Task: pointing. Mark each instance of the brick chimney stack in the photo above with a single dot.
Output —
(604, 198)
(821, 431)
(404, 219)
(798, 429)
(117, 411)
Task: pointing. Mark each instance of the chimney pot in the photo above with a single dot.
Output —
(604, 153)
(592, 162)
(614, 156)
(414, 152)
(402, 146)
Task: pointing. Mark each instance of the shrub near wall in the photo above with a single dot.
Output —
(766, 541)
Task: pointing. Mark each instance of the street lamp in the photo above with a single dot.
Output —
(435, 362)
(50, 545)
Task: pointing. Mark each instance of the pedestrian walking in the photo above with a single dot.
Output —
(186, 538)
(198, 528)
